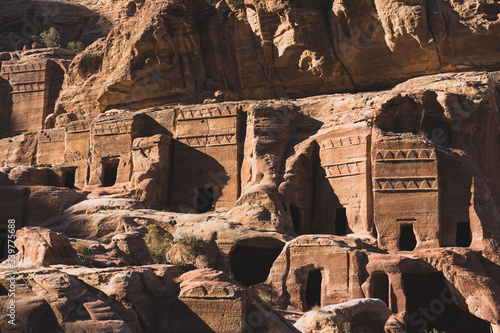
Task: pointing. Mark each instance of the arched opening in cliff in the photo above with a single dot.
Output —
(380, 287)
(110, 173)
(3, 243)
(464, 235)
(407, 238)
(430, 305)
(313, 288)
(296, 219)
(69, 177)
(204, 200)
(251, 259)
(340, 221)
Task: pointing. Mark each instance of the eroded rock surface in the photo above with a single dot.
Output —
(41, 246)
(363, 315)
(206, 126)
(268, 49)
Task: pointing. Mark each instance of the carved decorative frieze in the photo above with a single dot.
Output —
(345, 169)
(209, 112)
(78, 126)
(397, 184)
(112, 128)
(333, 143)
(405, 155)
(209, 140)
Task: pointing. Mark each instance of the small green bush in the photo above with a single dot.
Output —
(50, 38)
(346, 328)
(158, 243)
(76, 47)
(193, 243)
(316, 307)
(84, 254)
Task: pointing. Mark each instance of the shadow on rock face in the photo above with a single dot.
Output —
(22, 20)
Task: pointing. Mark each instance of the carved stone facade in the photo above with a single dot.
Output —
(34, 87)
(207, 157)
(374, 202)
(406, 175)
(345, 158)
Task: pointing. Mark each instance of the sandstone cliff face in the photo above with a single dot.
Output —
(302, 198)
(177, 51)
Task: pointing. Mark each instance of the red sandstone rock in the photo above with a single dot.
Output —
(363, 315)
(133, 246)
(41, 246)
(223, 305)
(72, 306)
(388, 186)
(48, 203)
(369, 49)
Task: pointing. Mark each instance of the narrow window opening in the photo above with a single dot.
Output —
(407, 239)
(464, 235)
(296, 219)
(110, 173)
(381, 287)
(340, 222)
(205, 200)
(313, 288)
(69, 178)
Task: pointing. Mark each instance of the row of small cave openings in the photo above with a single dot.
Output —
(204, 201)
(408, 240)
(251, 261)
(340, 221)
(109, 174)
(429, 301)
(407, 237)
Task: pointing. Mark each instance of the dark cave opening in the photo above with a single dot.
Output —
(464, 235)
(110, 172)
(313, 288)
(69, 178)
(380, 283)
(407, 238)
(204, 200)
(430, 306)
(251, 260)
(341, 221)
